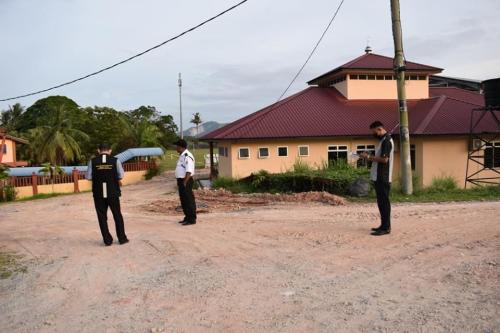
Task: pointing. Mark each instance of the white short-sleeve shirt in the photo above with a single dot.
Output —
(185, 164)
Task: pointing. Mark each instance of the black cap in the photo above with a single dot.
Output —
(181, 143)
(104, 146)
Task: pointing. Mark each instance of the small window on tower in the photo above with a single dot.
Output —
(353, 77)
(371, 77)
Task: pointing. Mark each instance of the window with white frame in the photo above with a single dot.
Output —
(361, 162)
(336, 154)
(282, 151)
(263, 152)
(492, 155)
(244, 153)
(303, 151)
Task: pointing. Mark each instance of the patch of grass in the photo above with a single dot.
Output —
(9, 265)
(440, 193)
(169, 159)
(231, 184)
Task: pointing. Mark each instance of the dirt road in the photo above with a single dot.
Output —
(286, 267)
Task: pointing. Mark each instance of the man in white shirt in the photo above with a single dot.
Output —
(184, 172)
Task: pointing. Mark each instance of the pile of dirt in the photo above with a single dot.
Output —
(222, 200)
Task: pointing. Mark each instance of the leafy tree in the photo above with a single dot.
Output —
(196, 120)
(9, 119)
(38, 114)
(57, 142)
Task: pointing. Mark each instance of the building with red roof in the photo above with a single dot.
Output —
(329, 120)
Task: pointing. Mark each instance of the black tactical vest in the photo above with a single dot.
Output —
(105, 177)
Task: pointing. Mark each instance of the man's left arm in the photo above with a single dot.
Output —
(385, 152)
(189, 163)
(88, 174)
(120, 171)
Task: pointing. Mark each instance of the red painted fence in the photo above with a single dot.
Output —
(34, 180)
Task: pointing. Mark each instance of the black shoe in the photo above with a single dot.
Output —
(181, 222)
(189, 223)
(381, 232)
(108, 244)
(124, 241)
(377, 229)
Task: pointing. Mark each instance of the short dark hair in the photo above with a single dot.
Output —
(376, 124)
(104, 146)
(181, 143)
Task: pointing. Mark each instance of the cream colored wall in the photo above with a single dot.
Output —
(318, 154)
(434, 157)
(342, 88)
(9, 156)
(131, 177)
(448, 157)
(385, 89)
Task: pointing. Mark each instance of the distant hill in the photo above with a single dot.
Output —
(205, 128)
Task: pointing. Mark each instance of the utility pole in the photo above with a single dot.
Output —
(180, 104)
(400, 68)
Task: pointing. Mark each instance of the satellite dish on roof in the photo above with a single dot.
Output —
(368, 49)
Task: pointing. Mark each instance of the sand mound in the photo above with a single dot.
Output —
(223, 200)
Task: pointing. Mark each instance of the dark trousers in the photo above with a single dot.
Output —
(187, 199)
(383, 190)
(101, 207)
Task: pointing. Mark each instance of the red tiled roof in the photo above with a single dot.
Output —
(324, 112)
(371, 61)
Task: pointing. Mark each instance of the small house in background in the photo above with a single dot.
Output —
(329, 121)
(8, 150)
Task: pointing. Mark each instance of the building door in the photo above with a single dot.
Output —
(336, 154)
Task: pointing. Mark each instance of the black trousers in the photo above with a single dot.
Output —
(383, 189)
(101, 207)
(188, 202)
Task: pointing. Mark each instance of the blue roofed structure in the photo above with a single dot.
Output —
(122, 157)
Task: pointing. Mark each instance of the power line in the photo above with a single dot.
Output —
(130, 58)
(313, 51)
(275, 104)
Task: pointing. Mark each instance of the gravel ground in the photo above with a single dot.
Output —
(284, 267)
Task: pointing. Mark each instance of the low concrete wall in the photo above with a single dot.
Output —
(131, 177)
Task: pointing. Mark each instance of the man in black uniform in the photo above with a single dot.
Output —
(106, 172)
(381, 175)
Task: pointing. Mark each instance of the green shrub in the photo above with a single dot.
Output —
(152, 172)
(442, 184)
(7, 193)
(301, 167)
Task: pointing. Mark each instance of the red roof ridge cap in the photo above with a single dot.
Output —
(431, 114)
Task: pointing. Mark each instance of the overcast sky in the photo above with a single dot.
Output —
(233, 66)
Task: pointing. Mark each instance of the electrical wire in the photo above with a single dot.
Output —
(275, 104)
(312, 52)
(128, 59)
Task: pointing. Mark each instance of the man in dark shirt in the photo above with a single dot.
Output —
(381, 175)
(106, 172)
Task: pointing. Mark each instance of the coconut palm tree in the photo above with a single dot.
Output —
(52, 171)
(57, 142)
(196, 120)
